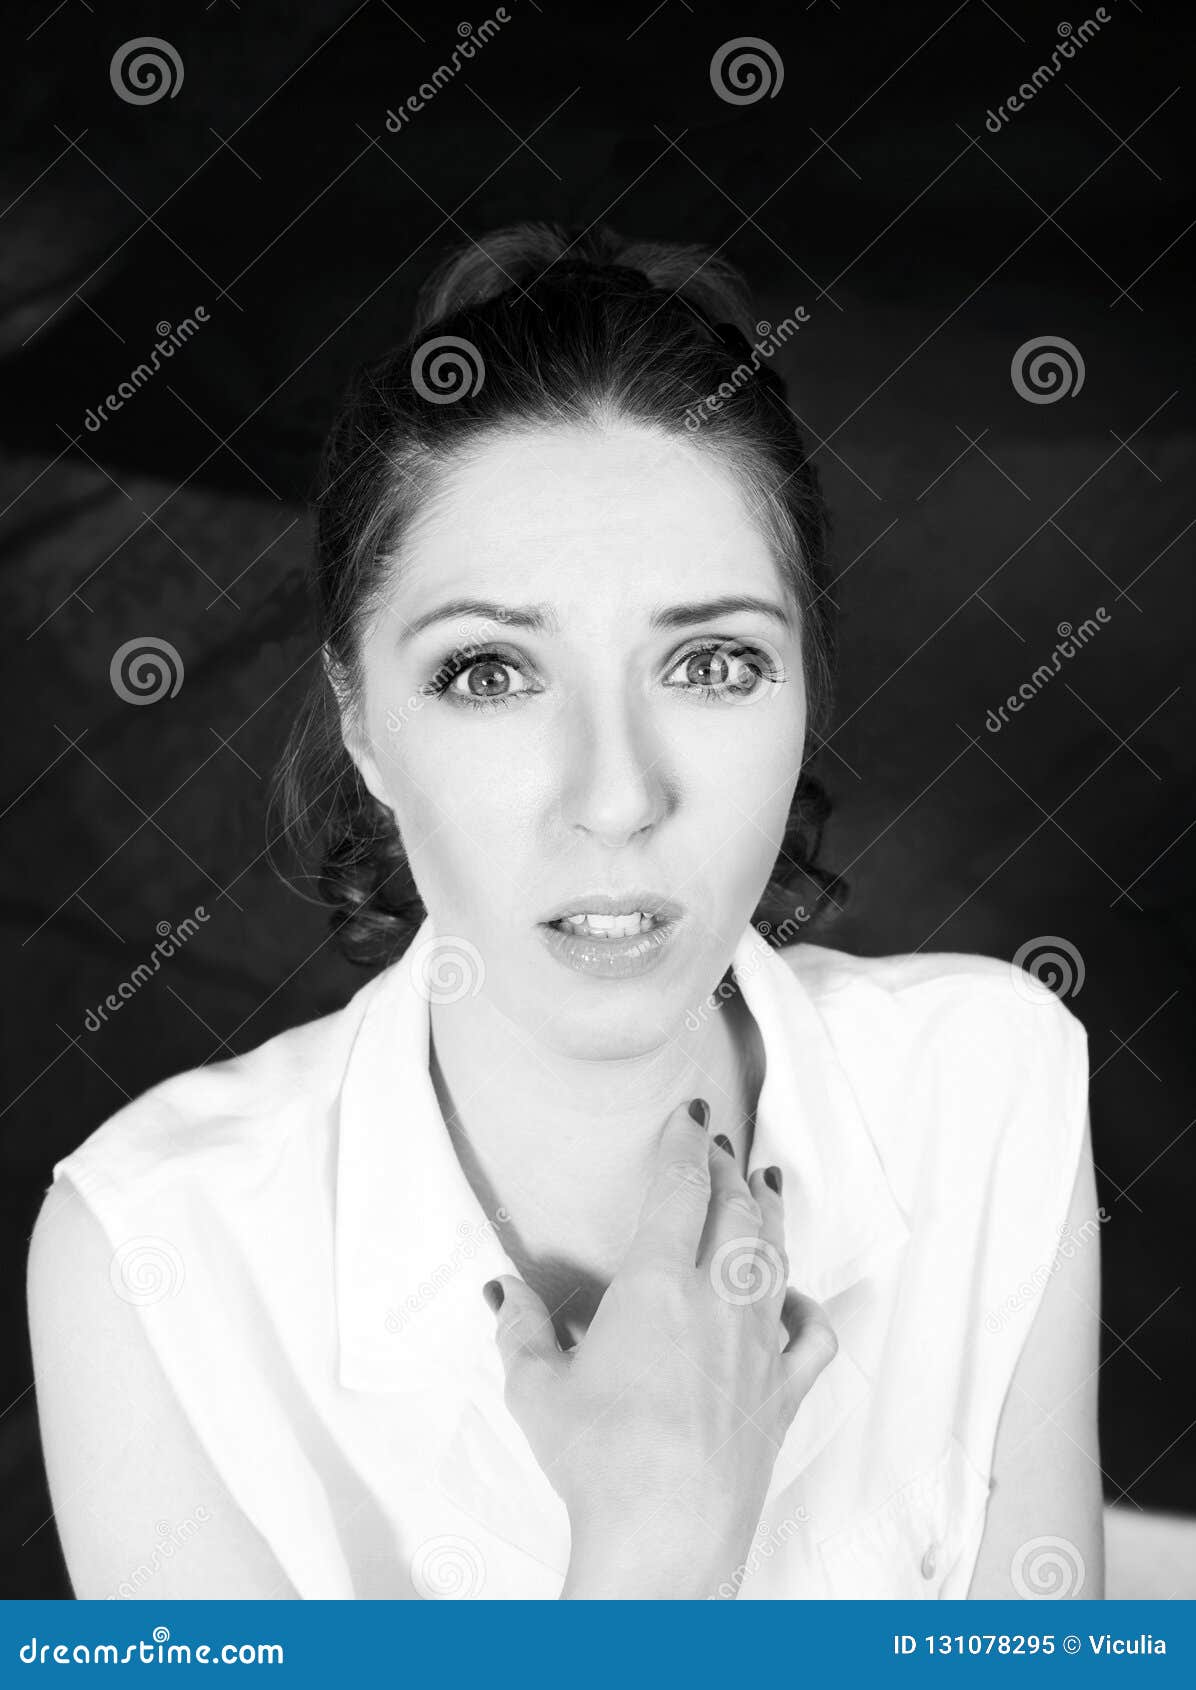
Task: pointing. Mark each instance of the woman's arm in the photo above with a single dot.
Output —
(1046, 1467)
(139, 1508)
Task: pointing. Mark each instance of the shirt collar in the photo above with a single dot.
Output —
(413, 1245)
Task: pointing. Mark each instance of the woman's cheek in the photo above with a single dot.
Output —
(753, 762)
(459, 785)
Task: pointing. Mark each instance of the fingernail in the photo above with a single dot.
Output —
(699, 1111)
(772, 1179)
(494, 1294)
(724, 1143)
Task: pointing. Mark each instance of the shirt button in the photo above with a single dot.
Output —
(929, 1561)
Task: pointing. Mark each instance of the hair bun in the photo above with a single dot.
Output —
(518, 255)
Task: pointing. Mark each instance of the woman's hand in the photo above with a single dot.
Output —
(660, 1429)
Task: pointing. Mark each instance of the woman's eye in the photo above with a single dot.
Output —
(724, 671)
(712, 673)
(480, 681)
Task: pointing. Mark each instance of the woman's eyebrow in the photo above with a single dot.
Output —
(706, 610)
(541, 617)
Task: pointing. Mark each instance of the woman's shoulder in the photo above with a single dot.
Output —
(936, 1040)
(208, 1155)
(828, 969)
(226, 1115)
(973, 1078)
(938, 998)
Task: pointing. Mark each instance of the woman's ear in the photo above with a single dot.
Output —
(354, 735)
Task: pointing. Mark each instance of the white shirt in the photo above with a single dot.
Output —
(306, 1256)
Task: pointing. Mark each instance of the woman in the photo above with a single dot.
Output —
(767, 1232)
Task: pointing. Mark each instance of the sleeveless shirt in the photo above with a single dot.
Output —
(306, 1258)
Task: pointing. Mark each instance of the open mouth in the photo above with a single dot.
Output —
(611, 927)
(611, 947)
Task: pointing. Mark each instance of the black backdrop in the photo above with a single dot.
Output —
(973, 522)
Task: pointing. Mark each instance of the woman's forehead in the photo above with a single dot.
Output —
(585, 514)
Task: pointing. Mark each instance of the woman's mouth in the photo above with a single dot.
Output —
(606, 926)
(612, 947)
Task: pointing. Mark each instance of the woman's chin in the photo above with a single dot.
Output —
(594, 1017)
(625, 1036)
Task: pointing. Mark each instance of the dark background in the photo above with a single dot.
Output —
(971, 523)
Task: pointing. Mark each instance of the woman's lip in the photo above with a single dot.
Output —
(656, 911)
(605, 956)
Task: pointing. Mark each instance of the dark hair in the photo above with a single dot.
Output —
(551, 326)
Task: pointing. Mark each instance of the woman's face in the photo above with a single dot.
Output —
(603, 750)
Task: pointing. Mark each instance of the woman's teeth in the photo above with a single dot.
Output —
(607, 926)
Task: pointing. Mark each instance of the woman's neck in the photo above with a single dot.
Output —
(559, 1151)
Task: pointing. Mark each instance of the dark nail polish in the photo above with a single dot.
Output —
(699, 1111)
(724, 1143)
(494, 1294)
(772, 1179)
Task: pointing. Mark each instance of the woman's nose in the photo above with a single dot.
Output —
(616, 779)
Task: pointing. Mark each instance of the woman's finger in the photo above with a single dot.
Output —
(765, 1186)
(744, 1261)
(674, 1209)
(734, 1211)
(812, 1343)
(523, 1330)
(725, 1184)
